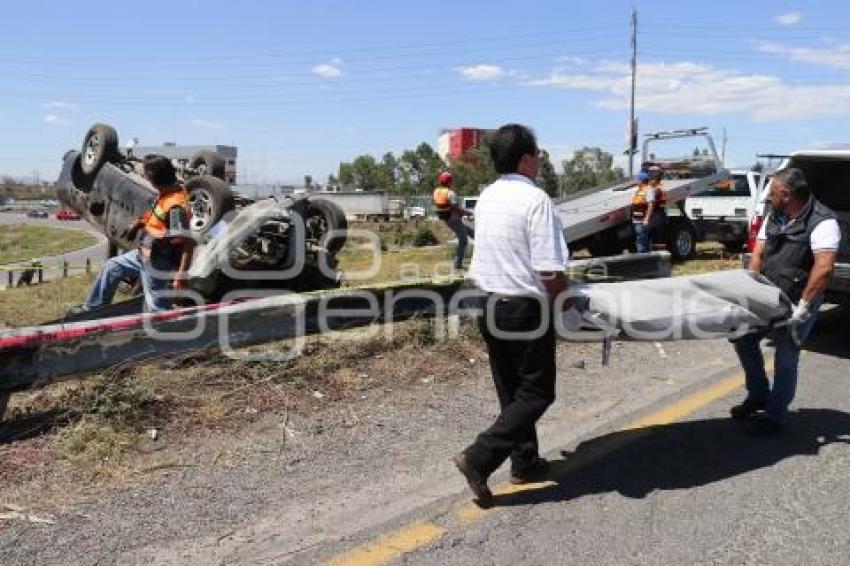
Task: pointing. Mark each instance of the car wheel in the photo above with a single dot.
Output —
(326, 222)
(208, 163)
(99, 146)
(209, 199)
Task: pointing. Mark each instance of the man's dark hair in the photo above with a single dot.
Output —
(159, 171)
(794, 181)
(508, 144)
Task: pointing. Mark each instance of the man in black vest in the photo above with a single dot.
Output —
(796, 250)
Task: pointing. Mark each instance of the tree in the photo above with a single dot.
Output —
(308, 181)
(589, 167)
(362, 173)
(547, 178)
(333, 182)
(473, 170)
(418, 169)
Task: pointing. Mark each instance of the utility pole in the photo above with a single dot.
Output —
(632, 132)
(723, 150)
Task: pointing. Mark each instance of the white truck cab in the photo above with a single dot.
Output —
(723, 212)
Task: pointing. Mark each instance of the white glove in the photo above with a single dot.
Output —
(572, 319)
(801, 312)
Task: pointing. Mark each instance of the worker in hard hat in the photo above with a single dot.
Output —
(648, 208)
(448, 210)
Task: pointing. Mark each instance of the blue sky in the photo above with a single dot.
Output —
(301, 86)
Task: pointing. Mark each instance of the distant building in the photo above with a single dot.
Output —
(181, 154)
(453, 142)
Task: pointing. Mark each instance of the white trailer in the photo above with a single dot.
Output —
(599, 218)
(361, 205)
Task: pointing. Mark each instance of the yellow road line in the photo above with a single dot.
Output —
(414, 536)
(390, 546)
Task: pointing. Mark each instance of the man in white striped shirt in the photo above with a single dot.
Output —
(519, 260)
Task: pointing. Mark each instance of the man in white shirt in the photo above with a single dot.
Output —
(796, 250)
(519, 261)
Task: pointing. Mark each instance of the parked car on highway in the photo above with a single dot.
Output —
(280, 242)
(66, 214)
(35, 213)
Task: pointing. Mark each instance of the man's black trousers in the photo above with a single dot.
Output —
(523, 367)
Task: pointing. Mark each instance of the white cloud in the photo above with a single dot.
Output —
(60, 105)
(328, 70)
(54, 120)
(481, 72)
(694, 88)
(837, 56)
(207, 125)
(789, 18)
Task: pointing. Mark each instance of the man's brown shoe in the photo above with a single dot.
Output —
(477, 482)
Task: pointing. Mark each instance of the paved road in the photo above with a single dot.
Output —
(77, 258)
(691, 492)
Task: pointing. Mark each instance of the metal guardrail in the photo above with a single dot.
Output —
(42, 355)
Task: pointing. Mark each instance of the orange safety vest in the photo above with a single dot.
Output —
(639, 202)
(156, 219)
(442, 198)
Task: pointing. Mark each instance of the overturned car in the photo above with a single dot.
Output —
(279, 242)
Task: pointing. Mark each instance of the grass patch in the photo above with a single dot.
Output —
(710, 257)
(25, 306)
(23, 242)
(94, 443)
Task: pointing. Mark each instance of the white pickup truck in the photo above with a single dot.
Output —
(828, 174)
(723, 212)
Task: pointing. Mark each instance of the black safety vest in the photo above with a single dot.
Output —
(788, 257)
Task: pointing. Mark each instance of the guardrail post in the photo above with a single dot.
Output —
(88, 265)
(64, 269)
(4, 401)
(11, 278)
(40, 275)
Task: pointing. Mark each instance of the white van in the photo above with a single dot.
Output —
(723, 212)
(828, 175)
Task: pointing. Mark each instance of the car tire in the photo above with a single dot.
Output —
(210, 198)
(326, 216)
(79, 179)
(681, 240)
(208, 163)
(99, 146)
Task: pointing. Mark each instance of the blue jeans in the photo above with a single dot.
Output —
(642, 242)
(785, 361)
(124, 266)
(463, 233)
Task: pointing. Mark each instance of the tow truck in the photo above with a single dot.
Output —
(599, 219)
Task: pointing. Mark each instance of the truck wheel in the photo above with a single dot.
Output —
(322, 216)
(208, 163)
(681, 241)
(99, 146)
(209, 199)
